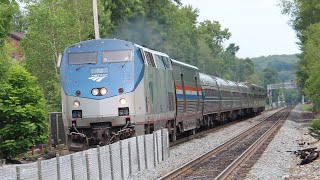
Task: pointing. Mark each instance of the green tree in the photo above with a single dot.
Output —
(269, 76)
(311, 55)
(305, 18)
(242, 70)
(303, 14)
(7, 10)
(51, 28)
(229, 57)
(214, 35)
(22, 112)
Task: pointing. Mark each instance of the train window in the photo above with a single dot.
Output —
(116, 56)
(234, 94)
(83, 58)
(215, 93)
(205, 92)
(208, 92)
(159, 61)
(223, 94)
(166, 62)
(150, 59)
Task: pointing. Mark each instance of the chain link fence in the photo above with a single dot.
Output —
(114, 161)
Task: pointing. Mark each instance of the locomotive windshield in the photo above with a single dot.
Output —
(116, 56)
(83, 58)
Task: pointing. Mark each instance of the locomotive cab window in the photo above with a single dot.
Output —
(166, 62)
(116, 56)
(158, 60)
(83, 58)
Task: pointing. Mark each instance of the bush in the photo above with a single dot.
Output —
(314, 128)
(22, 112)
(307, 107)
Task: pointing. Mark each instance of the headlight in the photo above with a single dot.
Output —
(123, 101)
(103, 91)
(95, 91)
(76, 104)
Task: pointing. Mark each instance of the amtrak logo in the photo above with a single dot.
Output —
(98, 77)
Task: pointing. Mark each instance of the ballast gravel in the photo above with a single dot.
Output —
(186, 152)
(278, 160)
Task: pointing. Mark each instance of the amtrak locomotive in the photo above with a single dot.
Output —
(114, 89)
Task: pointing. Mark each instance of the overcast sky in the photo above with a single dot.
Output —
(257, 26)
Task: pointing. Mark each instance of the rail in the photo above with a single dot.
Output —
(178, 172)
(231, 169)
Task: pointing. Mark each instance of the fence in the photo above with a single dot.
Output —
(114, 161)
(56, 126)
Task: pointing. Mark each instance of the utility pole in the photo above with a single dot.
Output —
(95, 19)
(269, 92)
(302, 96)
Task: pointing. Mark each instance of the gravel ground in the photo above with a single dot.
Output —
(277, 162)
(188, 151)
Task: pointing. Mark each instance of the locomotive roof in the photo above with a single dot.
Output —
(102, 41)
(184, 64)
(152, 51)
(124, 41)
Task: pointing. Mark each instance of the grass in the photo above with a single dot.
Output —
(314, 128)
(307, 107)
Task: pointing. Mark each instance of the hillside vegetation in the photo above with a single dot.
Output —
(283, 64)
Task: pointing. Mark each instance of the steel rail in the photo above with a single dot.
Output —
(202, 133)
(252, 149)
(215, 129)
(184, 168)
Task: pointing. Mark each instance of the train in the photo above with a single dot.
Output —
(114, 89)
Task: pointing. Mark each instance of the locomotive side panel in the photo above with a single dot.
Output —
(159, 90)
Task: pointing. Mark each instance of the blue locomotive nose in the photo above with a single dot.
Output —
(100, 69)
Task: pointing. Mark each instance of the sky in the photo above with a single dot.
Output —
(256, 26)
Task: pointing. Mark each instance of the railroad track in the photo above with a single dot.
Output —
(219, 162)
(203, 133)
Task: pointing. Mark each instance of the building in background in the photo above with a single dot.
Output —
(15, 50)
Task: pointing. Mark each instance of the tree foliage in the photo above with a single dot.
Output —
(8, 8)
(305, 19)
(22, 112)
(312, 54)
(164, 25)
(50, 30)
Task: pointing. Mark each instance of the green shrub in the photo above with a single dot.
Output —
(307, 107)
(23, 120)
(314, 128)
